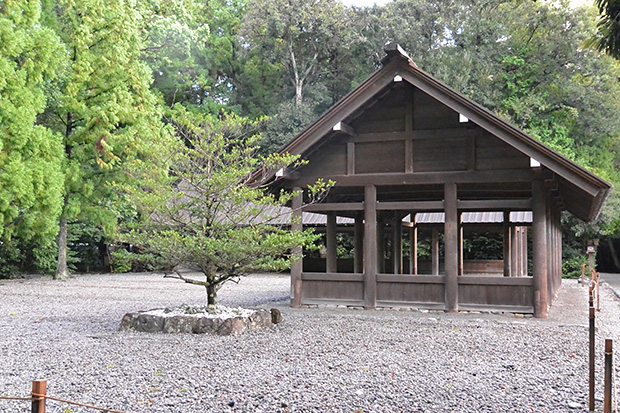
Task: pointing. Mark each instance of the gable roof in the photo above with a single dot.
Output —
(585, 193)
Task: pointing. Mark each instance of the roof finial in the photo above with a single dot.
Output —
(394, 50)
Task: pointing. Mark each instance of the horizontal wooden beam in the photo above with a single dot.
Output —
(505, 176)
(344, 128)
(411, 279)
(410, 206)
(523, 309)
(496, 204)
(495, 280)
(461, 132)
(332, 302)
(326, 276)
(334, 207)
(429, 305)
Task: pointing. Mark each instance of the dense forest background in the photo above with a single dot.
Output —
(88, 87)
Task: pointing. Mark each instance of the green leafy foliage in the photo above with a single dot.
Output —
(31, 156)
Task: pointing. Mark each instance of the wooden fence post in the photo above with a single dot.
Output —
(39, 391)
(592, 356)
(609, 365)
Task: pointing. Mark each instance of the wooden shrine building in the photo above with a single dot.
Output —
(403, 144)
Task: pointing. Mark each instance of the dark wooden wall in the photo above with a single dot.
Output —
(408, 131)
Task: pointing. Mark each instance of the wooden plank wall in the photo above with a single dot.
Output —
(410, 289)
(422, 291)
(494, 154)
(326, 287)
(496, 292)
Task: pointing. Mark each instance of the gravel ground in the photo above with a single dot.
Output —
(316, 360)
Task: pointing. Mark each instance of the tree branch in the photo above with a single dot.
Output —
(179, 276)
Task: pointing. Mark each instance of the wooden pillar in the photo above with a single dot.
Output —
(560, 243)
(397, 244)
(549, 231)
(514, 251)
(518, 255)
(552, 260)
(507, 247)
(413, 246)
(558, 248)
(331, 264)
(539, 250)
(296, 266)
(380, 260)
(461, 240)
(435, 252)
(524, 258)
(358, 248)
(451, 247)
(370, 247)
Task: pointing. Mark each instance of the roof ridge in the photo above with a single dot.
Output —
(393, 50)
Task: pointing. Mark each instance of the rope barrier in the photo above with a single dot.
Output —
(23, 399)
(75, 403)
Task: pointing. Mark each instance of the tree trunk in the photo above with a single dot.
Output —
(211, 296)
(298, 80)
(62, 271)
(299, 87)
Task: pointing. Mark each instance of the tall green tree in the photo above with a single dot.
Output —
(297, 62)
(304, 35)
(31, 156)
(194, 51)
(102, 106)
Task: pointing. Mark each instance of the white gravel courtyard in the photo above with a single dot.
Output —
(317, 360)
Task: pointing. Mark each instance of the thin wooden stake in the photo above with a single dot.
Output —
(592, 355)
(39, 391)
(609, 365)
(598, 292)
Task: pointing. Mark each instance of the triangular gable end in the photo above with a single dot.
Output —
(379, 106)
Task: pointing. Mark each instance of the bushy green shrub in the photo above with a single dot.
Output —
(10, 258)
(121, 261)
(571, 266)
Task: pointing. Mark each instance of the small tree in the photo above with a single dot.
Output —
(199, 212)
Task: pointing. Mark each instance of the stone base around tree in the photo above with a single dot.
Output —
(168, 321)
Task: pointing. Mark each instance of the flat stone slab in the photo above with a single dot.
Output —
(165, 321)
